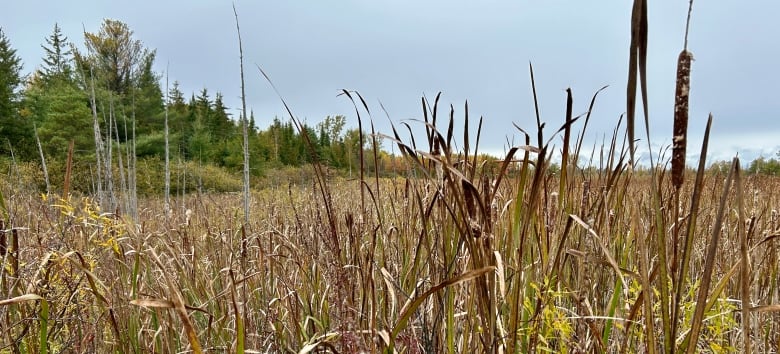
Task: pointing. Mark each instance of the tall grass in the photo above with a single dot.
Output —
(500, 261)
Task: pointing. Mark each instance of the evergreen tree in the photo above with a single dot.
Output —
(57, 59)
(116, 58)
(176, 98)
(10, 68)
(178, 120)
(62, 113)
(57, 105)
(15, 131)
(219, 123)
(199, 142)
(252, 124)
(258, 153)
(289, 150)
(313, 152)
(149, 103)
(202, 105)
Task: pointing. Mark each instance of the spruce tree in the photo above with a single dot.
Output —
(219, 123)
(57, 58)
(62, 112)
(149, 102)
(176, 98)
(56, 103)
(15, 132)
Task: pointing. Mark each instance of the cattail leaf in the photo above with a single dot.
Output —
(412, 307)
(155, 303)
(21, 298)
(476, 147)
(587, 119)
(709, 262)
(503, 171)
(466, 145)
(765, 308)
(637, 64)
(450, 129)
(539, 124)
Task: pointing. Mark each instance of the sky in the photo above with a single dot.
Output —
(395, 52)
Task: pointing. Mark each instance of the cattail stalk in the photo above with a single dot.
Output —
(681, 94)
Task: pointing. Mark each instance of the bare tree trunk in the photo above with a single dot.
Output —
(68, 170)
(122, 180)
(43, 160)
(129, 192)
(98, 142)
(244, 124)
(200, 176)
(132, 172)
(167, 152)
(109, 158)
(14, 169)
(183, 169)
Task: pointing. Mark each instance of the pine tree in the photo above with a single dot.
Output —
(116, 58)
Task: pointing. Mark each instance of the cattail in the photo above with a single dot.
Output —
(681, 95)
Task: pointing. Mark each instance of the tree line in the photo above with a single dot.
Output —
(105, 98)
(108, 94)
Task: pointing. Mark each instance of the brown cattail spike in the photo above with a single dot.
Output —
(681, 95)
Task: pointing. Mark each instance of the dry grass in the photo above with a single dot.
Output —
(446, 260)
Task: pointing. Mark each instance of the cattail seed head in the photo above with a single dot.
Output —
(681, 95)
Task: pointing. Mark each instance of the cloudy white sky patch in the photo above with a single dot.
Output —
(397, 51)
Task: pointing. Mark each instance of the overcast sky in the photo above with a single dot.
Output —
(394, 52)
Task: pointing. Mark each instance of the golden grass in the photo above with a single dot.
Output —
(413, 273)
